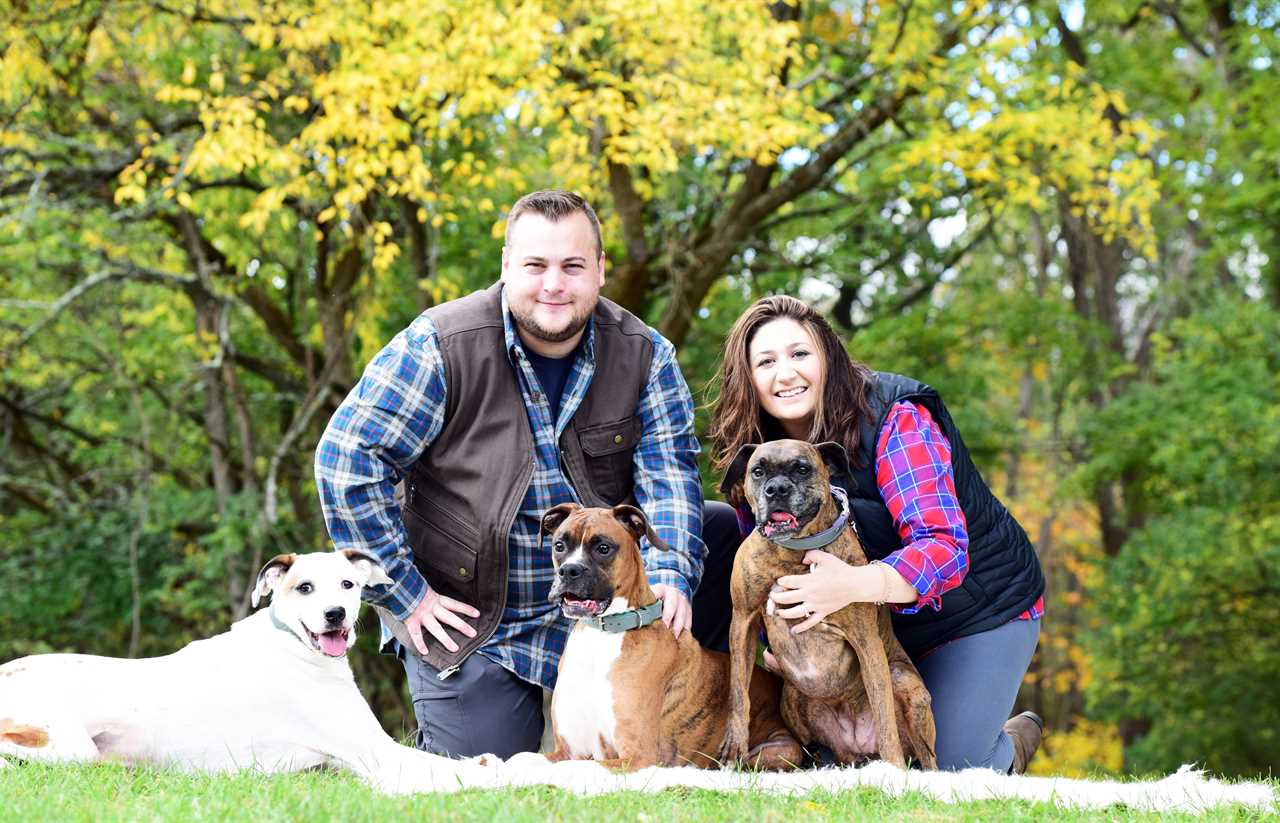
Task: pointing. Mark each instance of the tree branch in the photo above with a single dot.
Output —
(93, 281)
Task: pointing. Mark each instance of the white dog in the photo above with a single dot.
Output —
(274, 693)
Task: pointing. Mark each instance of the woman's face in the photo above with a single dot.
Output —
(787, 372)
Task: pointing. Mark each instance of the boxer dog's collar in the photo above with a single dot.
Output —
(823, 538)
(628, 620)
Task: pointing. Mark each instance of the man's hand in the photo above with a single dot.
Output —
(677, 613)
(435, 610)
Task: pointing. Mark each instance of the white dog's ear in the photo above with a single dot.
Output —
(270, 575)
(369, 566)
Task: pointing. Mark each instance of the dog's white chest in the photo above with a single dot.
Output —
(582, 709)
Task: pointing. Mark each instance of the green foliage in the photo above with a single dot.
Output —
(1186, 641)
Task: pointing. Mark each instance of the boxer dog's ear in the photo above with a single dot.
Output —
(834, 455)
(369, 566)
(554, 516)
(738, 468)
(271, 573)
(635, 522)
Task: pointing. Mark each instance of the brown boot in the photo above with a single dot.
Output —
(1025, 731)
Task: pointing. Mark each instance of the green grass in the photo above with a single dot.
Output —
(96, 793)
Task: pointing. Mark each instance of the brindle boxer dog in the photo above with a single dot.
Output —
(847, 682)
(628, 693)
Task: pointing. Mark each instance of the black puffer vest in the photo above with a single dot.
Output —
(1004, 577)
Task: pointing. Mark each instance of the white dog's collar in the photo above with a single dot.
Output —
(283, 626)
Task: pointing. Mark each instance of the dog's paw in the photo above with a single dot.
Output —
(528, 760)
(733, 751)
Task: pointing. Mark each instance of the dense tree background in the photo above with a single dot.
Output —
(1065, 217)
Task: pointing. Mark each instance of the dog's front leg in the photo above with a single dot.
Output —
(639, 730)
(561, 751)
(741, 658)
(362, 746)
(396, 769)
(921, 735)
(878, 682)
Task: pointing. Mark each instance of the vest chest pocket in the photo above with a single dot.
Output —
(609, 450)
(444, 547)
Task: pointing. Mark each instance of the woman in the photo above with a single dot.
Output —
(959, 573)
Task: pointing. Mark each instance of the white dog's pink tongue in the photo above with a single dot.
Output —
(334, 644)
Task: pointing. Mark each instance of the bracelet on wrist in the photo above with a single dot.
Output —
(884, 581)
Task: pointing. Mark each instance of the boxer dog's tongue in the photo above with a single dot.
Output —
(574, 606)
(780, 520)
(333, 644)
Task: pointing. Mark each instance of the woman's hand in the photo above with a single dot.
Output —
(830, 585)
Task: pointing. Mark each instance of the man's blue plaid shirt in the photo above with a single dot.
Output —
(397, 409)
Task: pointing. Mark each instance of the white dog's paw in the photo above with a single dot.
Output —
(527, 760)
(486, 761)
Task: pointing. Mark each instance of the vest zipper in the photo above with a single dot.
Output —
(450, 671)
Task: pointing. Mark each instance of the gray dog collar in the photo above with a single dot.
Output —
(284, 627)
(628, 620)
(823, 538)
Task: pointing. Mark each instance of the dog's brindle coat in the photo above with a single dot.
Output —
(848, 682)
(669, 702)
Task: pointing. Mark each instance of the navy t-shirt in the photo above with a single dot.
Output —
(553, 374)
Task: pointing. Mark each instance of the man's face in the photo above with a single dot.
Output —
(553, 274)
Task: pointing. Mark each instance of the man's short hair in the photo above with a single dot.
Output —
(554, 204)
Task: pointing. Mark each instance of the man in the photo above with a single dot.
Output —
(494, 408)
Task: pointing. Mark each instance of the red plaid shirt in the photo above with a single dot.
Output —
(915, 478)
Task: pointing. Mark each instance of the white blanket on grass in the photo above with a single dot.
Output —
(1189, 790)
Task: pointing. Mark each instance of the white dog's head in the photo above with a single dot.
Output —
(316, 596)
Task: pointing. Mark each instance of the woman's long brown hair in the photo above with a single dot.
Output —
(736, 415)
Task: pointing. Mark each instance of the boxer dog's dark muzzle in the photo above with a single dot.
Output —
(784, 485)
(788, 497)
(581, 589)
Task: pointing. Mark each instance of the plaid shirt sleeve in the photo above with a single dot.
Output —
(394, 412)
(914, 474)
(666, 473)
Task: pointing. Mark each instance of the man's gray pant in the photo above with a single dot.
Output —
(480, 708)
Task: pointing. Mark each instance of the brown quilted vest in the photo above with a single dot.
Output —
(463, 493)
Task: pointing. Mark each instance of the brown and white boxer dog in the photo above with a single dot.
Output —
(628, 693)
(848, 684)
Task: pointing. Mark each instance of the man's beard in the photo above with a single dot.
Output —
(526, 322)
